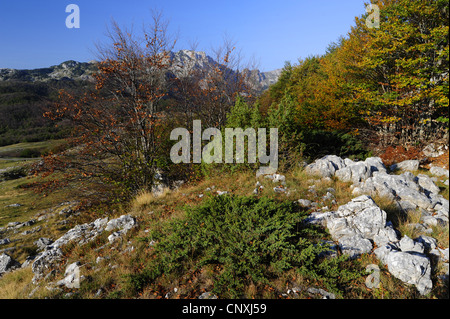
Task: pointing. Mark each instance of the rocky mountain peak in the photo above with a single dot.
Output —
(183, 62)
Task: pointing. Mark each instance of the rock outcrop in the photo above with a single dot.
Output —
(360, 226)
(82, 234)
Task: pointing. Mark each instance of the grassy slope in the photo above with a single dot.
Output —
(109, 278)
(11, 153)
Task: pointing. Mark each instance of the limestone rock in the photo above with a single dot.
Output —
(45, 262)
(358, 223)
(427, 184)
(7, 263)
(439, 171)
(408, 165)
(124, 222)
(402, 187)
(412, 268)
(406, 244)
(71, 276)
(326, 166)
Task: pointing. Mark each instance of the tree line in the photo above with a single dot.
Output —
(389, 85)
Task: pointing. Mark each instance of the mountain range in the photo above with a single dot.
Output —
(183, 60)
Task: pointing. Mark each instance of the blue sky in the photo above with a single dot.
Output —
(33, 33)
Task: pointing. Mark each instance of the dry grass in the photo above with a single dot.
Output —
(109, 276)
(16, 284)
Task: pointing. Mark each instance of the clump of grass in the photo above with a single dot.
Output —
(16, 284)
(145, 199)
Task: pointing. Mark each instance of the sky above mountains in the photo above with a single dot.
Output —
(33, 34)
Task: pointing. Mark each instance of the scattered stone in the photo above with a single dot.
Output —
(99, 292)
(207, 295)
(325, 166)
(18, 225)
(355, 173)
(279, 189)
(28, 261)
(4, 241)
(403, 187)
(277, 178)
(328, 196)
(444, 254)
(12, 224)
(360, 222)
(357, 223)
(31, 231)
(158, 189)
(427, 184)
(45, 261)
(304, 202)
(428, 242)
(318, 291)
(82, 234)
(14, 205)
(355, 245)
(72, 276)
(115, 236)
(43, 242)
(432, 151)
(430, 220)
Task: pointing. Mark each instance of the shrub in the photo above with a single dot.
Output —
(319, 143)
(250, 240)
(27, 153)
(14, 173)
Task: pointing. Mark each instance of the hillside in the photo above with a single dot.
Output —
(70, 70)
(26, 94)
(345, 212)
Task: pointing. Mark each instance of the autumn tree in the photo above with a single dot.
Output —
(402, 75)
(120, 124)
(386, 85)
(219, 85)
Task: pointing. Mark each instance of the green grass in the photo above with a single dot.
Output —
(11, 162)
(27, 150)
(31, 204)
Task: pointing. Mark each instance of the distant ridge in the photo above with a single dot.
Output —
(183, 60)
